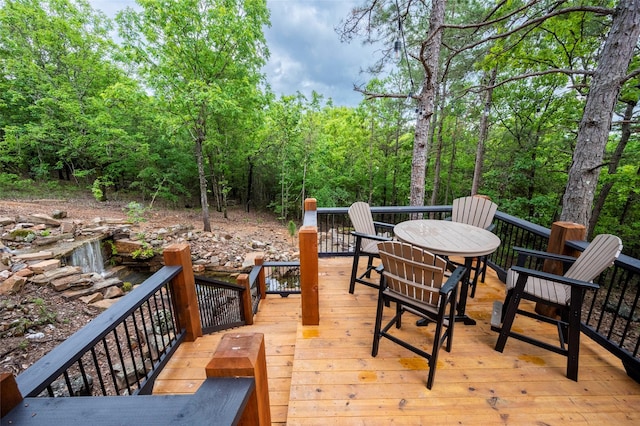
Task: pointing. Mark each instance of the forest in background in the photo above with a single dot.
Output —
(179, 108)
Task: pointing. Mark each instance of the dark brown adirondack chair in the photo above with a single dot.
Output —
(414, 279)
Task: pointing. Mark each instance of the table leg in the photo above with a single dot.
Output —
(464, 291)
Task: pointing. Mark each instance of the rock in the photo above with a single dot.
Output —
(49, 276)
(24, 272)
(39, 335)
(71, 281)
(67, 227)
(104, 304)
(42, 241)
(44, 219)
(45, 265)
(12, 285)
(4, 221)
(96, 287)
(92, 298)
(250, 258)
(113, 292)
(41, 255)
(127, 246)
(58, 214)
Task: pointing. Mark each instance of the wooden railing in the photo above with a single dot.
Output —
(612, 314)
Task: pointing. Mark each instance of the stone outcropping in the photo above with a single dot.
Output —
(36, 248)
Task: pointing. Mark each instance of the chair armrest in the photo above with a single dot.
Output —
(553, 277)
(453, 280)
(523, 253)
(370, 237)
(383, 225)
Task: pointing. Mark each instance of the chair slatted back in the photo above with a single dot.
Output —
(598, 256)
(476, 211)
(361, 218)
(412, 272)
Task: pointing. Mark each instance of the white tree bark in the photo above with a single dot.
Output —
(429, 56)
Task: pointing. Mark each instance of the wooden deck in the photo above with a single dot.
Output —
(325, 374)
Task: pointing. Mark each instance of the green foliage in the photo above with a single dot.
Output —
(23, 235)
(111, 246)
(143, 253)
(291, 228)
(135, 212)
(127, 286)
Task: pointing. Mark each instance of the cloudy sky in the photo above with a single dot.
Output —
(306, 52)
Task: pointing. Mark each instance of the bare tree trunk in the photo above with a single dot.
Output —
(438, 157)
(429, 56)
(484, 132)
(203, 186)
(613, 166)
(594, 127)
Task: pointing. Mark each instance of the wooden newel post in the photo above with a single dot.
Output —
(258, 261)
(184, 290)
(308, 239)
(10, 395)
(243, 280)
(561, 232)
(244, 355)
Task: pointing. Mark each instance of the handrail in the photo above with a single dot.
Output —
(127, 320)
(219, 304)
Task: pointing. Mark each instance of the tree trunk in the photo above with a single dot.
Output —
(203, 186)
(484, 132)
(594, 127)
(429, 55)
(613, 166)
(438, 160)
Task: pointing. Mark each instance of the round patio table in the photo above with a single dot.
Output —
(446, 238)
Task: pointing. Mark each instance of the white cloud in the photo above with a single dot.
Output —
(306, 52)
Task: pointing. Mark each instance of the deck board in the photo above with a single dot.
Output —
(325, 374)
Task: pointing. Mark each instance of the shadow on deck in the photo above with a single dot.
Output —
(325, 374)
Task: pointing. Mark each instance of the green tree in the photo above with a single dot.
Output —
(202, 59)
(55, 66)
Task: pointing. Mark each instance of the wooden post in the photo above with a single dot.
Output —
(308, 238)
(258, 261)
(10, 395)
(561, 232)
(184, 290)
(310, 204)
(243, 280)
(243, 355)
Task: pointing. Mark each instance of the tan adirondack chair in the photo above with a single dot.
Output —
(367, 233)
(564, 292)
(477, 211)
(414, 279)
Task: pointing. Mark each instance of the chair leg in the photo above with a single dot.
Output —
(369, 267)
(573, 341)
(378, 325)
(354, 267)
(510, 314)
(439, 335)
